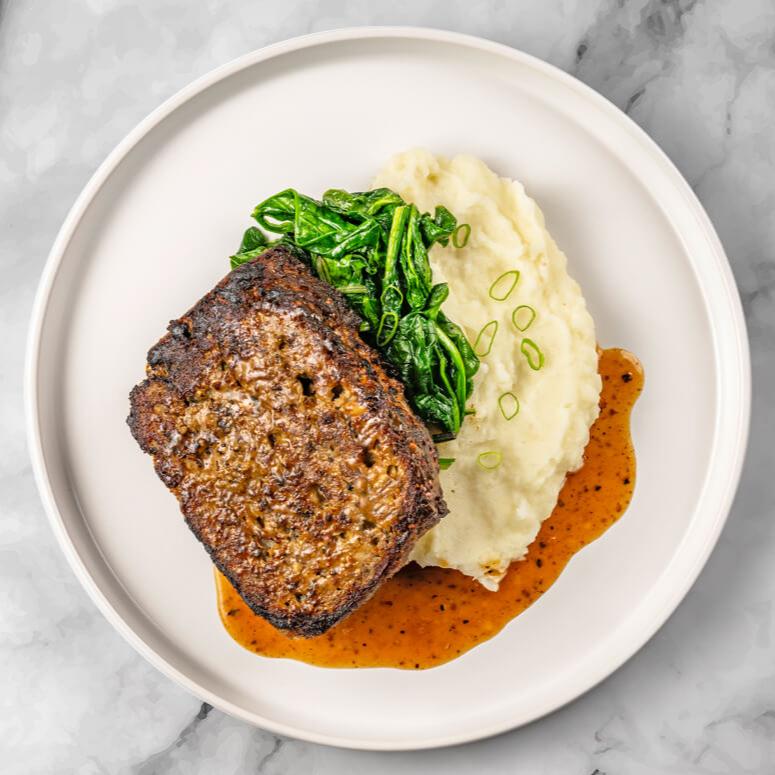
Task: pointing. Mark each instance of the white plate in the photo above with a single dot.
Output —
(151, 233)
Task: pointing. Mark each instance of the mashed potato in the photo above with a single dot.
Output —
(496, 513)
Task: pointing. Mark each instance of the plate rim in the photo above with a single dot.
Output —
(632, 643)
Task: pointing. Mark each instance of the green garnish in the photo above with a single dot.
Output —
(254, 242)
(373, 246)
(445, 462)
(457, 240)
(531, 316)
(531, 351)
(485, 338)
(508, 403)
(502, 287)
(489, 461)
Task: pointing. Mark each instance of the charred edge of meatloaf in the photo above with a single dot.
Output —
(177, 364)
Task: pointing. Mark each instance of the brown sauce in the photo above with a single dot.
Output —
(423, 617)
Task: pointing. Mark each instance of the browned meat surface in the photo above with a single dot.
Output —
(296, 459)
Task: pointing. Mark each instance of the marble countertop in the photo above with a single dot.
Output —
(697, 75)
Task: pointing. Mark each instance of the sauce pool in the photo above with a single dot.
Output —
(423, 617)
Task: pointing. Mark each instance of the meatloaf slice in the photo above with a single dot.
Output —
(295, 457)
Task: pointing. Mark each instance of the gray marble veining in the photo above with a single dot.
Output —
(698, 75)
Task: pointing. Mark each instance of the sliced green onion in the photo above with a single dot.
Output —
(457, 240)
(502, 287)
(445, 462)
(531, 351)
(489, 461)
(508, 403)
(531, 316)
(485, 338)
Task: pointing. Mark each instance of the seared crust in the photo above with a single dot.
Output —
(295, 457)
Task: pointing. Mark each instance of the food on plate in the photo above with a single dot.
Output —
(535, 394)
(402, 374)
(373, 248)
(424, 617)
(295, 457)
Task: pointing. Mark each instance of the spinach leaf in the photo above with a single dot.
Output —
(254, 242)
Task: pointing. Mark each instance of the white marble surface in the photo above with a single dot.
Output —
(76, 75)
